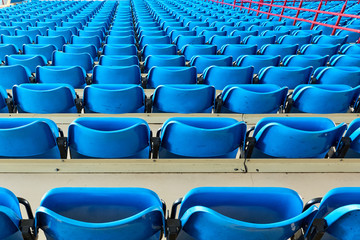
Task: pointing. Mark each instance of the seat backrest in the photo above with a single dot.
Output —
(72, 75)
(117, 75)
(83, 60)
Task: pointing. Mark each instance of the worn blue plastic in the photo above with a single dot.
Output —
(164, 61)
(101, 213)
(116, 75)
(44, 50)
(345, 60)
(28, 138)
(81, 48)
(120, 49)
(29, 62)
(181, 41)
(220, 77)
(114, 98)
(83, 60)
(296, 137)
(183, 98)
(11, 75)
(201, 62)
(18, 41)
(120, 40)
(259, 40)
(109, 138)
(74, 76)
(7, 49)
(171, 75)
(44, 98)
(258, 61)
(93, 40)
(304, 61)
(242, 213)
(300, 40)
(236, 50)
(201, 137)
(118, 60)
(57, 41)
(285, 76)
(279, 49)
(158, 49)
(253, 98)
(320, 49)
(329, 98)
(191, 50)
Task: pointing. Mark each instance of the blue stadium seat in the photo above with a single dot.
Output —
(171, 75)
(277, 34)
(4, 32)
(329, 98)
(158, 49)
(49, 25)
(114, 137)
(72, 75)
(94, 40)
(345, 60)
(29, 62)
(18, 41)
(285, 76)
(44, 50)
(259, 40)
(118, 60)
(294, 137)
(91, 33)
(28, 138)
(45, 98)
(314, 61)
(201, 62)
(153, 40)
(252, 98)
(163, 61)
(120, 40)
(41, 29)
(7, 49)
(183, 98)
(199, 29)
(114, 98)
(81, 48)
(220, 41)
(210, 137)
(350, 49)
(120, 49)
(181, 41)
(191, 50)
(116, 75)
(12, 75)
(237, 50)
(230, 29)
(279, 49)
(338, 75)
(63, 30)
(209, 34)
(10, 29)
(57, 41)
(121, 33)
(300, 40)
(101, 213)
(258, 61)
(83, 60)
(243, 34)
(320, 49)
(241, 213)
(30, 33)
(64, 33)
(324, 39)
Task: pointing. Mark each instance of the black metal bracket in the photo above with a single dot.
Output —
(10, 104)
(174, 207)
(200, 79)
(27, 226)
(62, 145)
(249, 146)
(148, 104)
(88, 80)
(78, 104)
(317, 229)
(139, 55)
(155, 143)
(312, 202)
(173, 227)
(288, 104)
(344, 146)
(256, 79)
(313, 80)
(32, 79)
(143, 82)
(218, 103)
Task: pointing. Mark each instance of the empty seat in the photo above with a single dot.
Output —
(279, 49)
(300, 40)
(120, 40)
(28, 138)
(81, 48)
(18, 41)
(45, 98)
(153, 40)
(338, 75)
(114, 98)
(209, 34)
(277, 34)
(120, 49)
(44, 50)
(258, 61)
(114, 212)
(83, 60)
(29, 62)
(171, 75)
(92, 33)
(118, 60)
(210, 137)
(345, 60)
(116, 75)
(191, 50)
(7, 49)
(121, 33)
(324, 98)
(259, 40)
(30, 33)
(114, 137)
(57, 41)
(295, 137)
(350, 49)
(237, 50)
(181, 41)
(11, 75)
(319, 49)
(314, 61)
(183, 98)
(324, 39)
(64, 33)
(250, 99)
(243, 34)
(201, 62)
(220, 41)
(241, 212)
(94, 40)
(164, 61)
(285, 76)
(158, 49)
(72, 75)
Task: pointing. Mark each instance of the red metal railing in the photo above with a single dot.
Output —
(273, 4)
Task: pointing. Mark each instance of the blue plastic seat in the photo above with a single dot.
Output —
(120, 49)
(158, 49)
(64, 33)
(295, 137)
(338, 75)
(163, 61)
(83, 60)
(57, 41)
(320, 49)
(183, 98)
(4, 32)
(28, 138)
(44, 50)
(210, 137)
(11, 75)
(314, 61)
(10, 29)
(329, 98)
(44, 98)
(181, 41)
(243, 34)
(118, 60)
(29, 62)
(101, 213)
(7, 49)
(18, 41)
(279, 49)
(324, 39)
(49, 25)
(72, 75)
(201, 62)
(171, 75)
(175, 33)
(230, 29)
(258, 61)
(114, 137)
(236, 50)
(241, 213)
(92, 33)
(30, 33)
(285, 76)
(300, 40)
(120, 40)
(259, 40)
(345, 60)
(153, 40)
(121, 33)
(114, 98)
(81, 48)
(191, 50)
(252, 98)
(350, 49)
(277, 34)
(116, 75)
(352, 37)
(260, 29)
(220, 41)
(94, 40)
(209, 34)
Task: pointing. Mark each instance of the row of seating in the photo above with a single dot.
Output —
(218, 137)
(204, 213)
